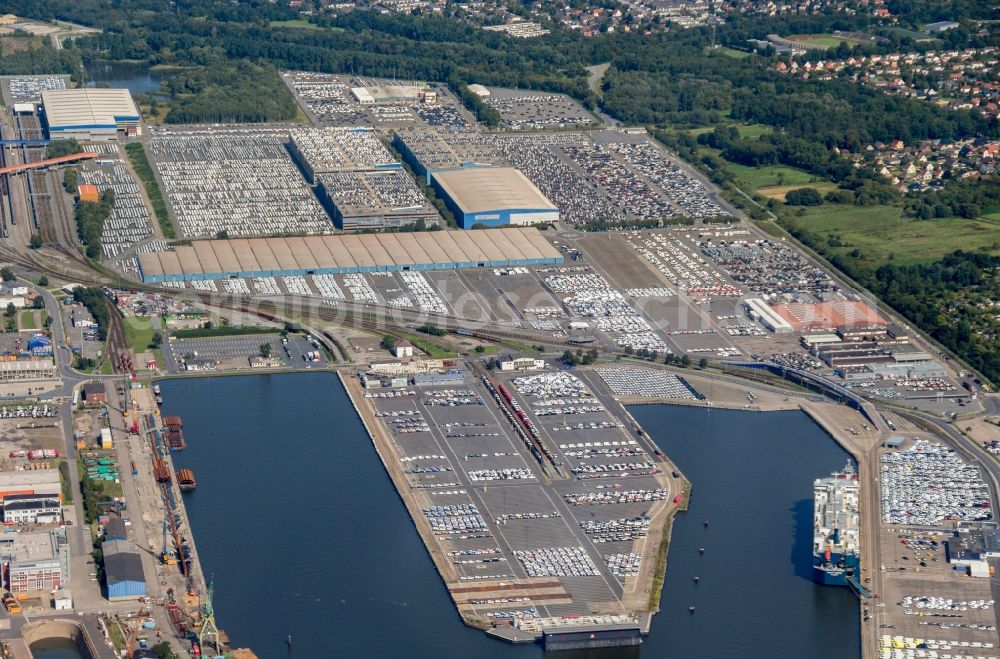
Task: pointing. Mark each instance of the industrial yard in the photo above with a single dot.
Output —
(526, 520)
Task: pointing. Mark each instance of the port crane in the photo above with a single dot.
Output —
(208, 628)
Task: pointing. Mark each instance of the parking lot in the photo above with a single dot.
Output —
(237, 180)
(130, 222)
(328, 100)
(234, 352)
(491, 511)
(29, 88)
(521, 109)
(927, 483)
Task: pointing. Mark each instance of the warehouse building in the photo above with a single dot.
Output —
(761, 312)
(123, 571)
(325, 150)
(452, 378)
(521, 364)
(35, 561)
(343, 254)
(35, 481)
(27, 370)
(415, 92)
(374, 200)
(90, 115)
(493, 196)
(841, 316)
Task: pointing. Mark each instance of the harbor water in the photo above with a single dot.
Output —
(753, 479)
(306, 537)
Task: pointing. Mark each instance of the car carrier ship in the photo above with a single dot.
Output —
(836, 528)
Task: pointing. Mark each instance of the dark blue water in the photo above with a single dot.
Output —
(753, 475)
(137, 78)
(303, 530)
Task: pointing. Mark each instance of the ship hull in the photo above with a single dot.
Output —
(836, 571)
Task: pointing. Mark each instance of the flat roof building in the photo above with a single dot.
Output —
(345, 254)
(843, 316)
(940, 26)
(493, 196)
(971, 545)
(760, 311)
(27, 370)
(35, 481)
(89, 114)
(415, 91)
(521, 364)
(35, 561)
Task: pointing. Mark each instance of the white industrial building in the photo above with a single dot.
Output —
(761, 311)
(89, 114)
(521, 364)
(403, 348)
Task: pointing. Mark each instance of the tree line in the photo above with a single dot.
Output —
(90, 218)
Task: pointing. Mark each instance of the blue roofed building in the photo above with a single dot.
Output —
(123, 574)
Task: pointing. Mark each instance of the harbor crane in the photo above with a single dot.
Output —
(208, 628)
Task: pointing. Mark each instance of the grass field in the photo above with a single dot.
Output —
(779, 191)
(731, 52)
(296, 23)
(821, 39)
(881, 233)
(433, 350)
(138, 333)
(27, 320)
(753, 131)
(762, 177)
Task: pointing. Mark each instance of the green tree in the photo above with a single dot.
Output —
(58, 148)
(163, 651)
(265, 350)
(703, 363)
(389, 342)
(70, 181)
(39, 302)
(36, 241)
(685, 361)
(43, 281)
(11, 310)
(7, 274)
(803, 197)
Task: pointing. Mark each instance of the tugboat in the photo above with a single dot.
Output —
(836, 547)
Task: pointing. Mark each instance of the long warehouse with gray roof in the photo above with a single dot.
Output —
(343, 254)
